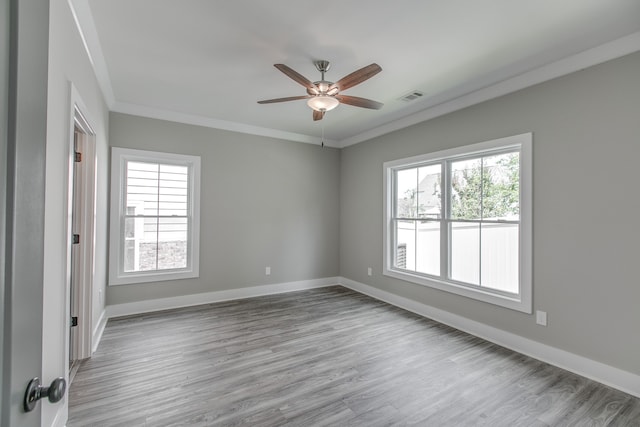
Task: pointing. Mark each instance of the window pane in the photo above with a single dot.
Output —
(429, 192)
(142, 188)
(136, 247)
(130, 225)
(500, 256)
(501, 189)
(146, 254)
(406, 192)
(130, 255)
(172, 243)
(156, 190)
(428, 247)
(406, 245)
(172, 190)
(466, 189)
(465, 252)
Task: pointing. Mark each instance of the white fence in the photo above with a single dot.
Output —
(487, 257)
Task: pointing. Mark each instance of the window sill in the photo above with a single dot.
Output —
(519, 303)
(132, 279)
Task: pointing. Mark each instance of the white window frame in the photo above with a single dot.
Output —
(522, 301)
(119, 159)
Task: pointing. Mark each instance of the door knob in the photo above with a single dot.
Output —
(36, 391)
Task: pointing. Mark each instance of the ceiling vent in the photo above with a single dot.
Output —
(412, 96)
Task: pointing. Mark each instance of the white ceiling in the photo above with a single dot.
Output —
(209, 61)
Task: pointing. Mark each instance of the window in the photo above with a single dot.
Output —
(459, 220)
(154, 216)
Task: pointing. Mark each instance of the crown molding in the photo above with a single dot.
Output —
(588, 58)
(82, 14)
(192, 119)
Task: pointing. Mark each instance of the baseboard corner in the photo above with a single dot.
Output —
(147, 306)
(611, 376)
(98, 330)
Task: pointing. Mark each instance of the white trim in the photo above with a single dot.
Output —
(82, 13)
(585, 59)
(147, 306)
(192, 119)
(61, 415)
(571, 64)
(463, 150)
(611, 376)
(117, 275)
(98, 331)
(614, 377)
(521, 301)
(82, 185)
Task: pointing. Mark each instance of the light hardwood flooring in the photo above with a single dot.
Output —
(323, 357)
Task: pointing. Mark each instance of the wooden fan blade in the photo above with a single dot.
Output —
(318, 115)
(290, 98)
(357, 77)
(359, 102)
(294, 75)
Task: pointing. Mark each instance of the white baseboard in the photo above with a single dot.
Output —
(61, 416)
(98, 330)
(597, 371)
(147, 306)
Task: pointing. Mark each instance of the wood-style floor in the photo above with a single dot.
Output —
(324, 357)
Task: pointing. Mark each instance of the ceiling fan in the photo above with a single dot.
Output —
(323, 96)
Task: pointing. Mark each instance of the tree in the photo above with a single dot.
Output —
(486, 188)
(407, 205)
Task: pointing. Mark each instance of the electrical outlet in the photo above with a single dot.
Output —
(267, 271)
(100, 296)
(369, 271)
(541, 318)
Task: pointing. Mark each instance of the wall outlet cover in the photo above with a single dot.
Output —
(541, 317)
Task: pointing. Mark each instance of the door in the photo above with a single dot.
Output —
(24, 122)
(83, 198)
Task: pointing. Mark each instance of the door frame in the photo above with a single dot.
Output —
(83, 271)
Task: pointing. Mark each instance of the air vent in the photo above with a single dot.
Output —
(412, 96)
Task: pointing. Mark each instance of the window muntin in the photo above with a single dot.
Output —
(453, 221)
(154, 216)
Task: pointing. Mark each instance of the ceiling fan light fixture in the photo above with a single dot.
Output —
(323, 103)
(323, 95)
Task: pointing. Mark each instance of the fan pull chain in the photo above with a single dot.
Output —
(322, 145)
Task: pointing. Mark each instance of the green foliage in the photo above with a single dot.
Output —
(488, 188)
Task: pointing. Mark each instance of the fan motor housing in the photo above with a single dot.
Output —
(322, 85)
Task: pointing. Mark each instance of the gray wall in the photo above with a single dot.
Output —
(264, 202)
(68, 64)
(586, 207)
